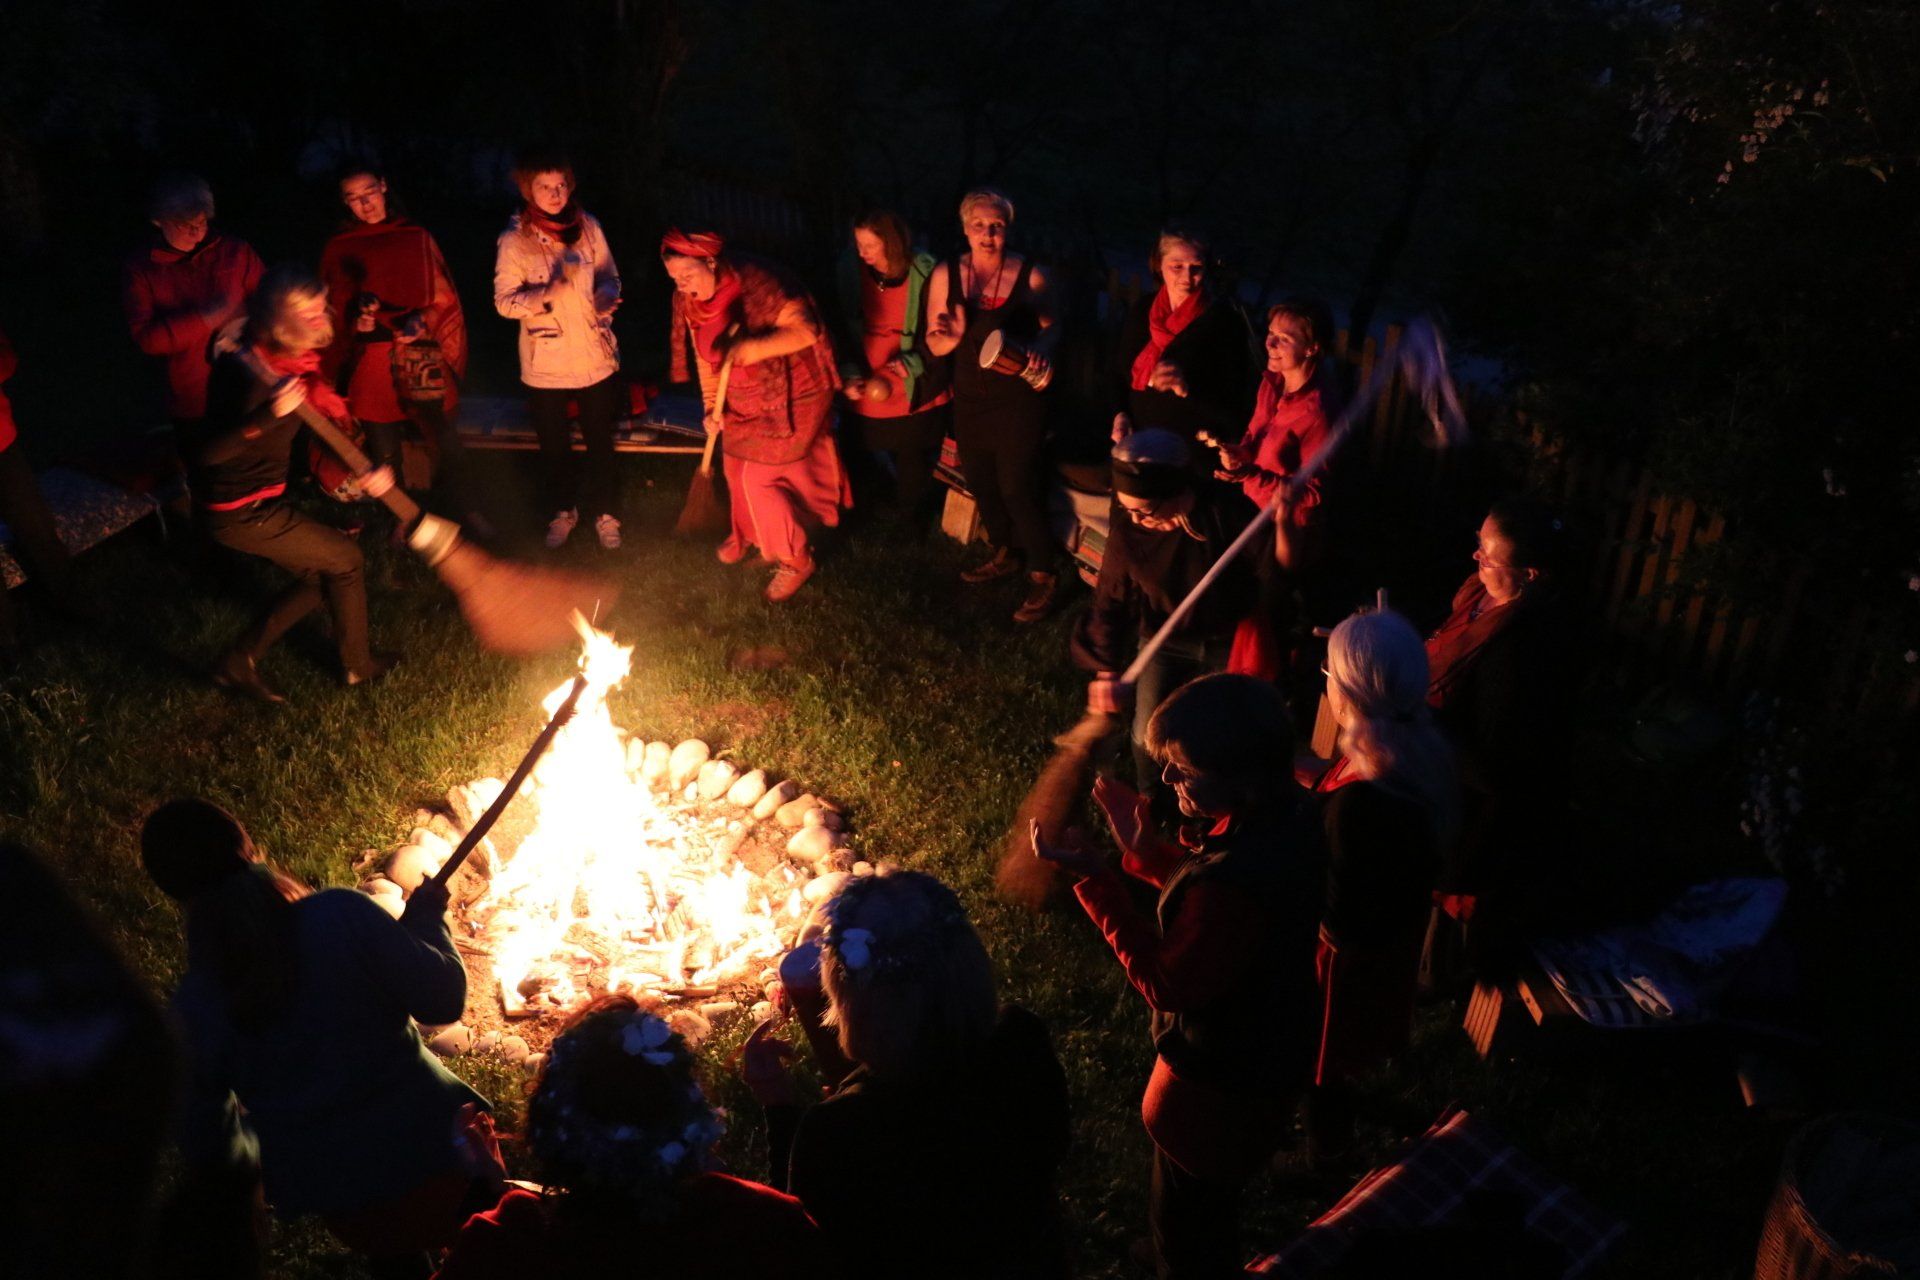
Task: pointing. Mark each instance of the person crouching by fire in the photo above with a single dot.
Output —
(934, 1153)
(240, 467)
(756, 332)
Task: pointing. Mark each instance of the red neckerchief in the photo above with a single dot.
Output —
(1164, 323)
(564, 226)
(709, 319)
(306, 367)
(1453, 649)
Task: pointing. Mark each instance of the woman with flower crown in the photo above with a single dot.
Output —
(622, 1135)
(934, 1155)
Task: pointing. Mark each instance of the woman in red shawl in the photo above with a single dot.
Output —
(753, 328)
(1184, 357)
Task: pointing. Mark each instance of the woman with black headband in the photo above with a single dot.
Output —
(1164, 532)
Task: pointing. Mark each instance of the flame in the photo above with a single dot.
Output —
(613, 879)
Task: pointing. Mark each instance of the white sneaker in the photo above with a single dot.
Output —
(608, 529)
(560, 528)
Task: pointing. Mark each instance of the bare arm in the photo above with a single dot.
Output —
(942, 336)
(1045, 310)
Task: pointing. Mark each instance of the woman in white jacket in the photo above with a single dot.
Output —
(554, 273)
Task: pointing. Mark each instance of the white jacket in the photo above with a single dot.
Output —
(557, 292)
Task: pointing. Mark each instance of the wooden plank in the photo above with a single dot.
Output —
(1629, 548)
(1542, 998)
(1483, 1017)
(1615, 505)
(1697, 602)
(1671, 659)
(1326, 730)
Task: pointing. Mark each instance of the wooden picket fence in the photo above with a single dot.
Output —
(1639, 549)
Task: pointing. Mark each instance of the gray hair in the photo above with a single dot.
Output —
(1379, 665)
(997, 200)
(177, 196)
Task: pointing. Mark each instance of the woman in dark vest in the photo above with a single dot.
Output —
(1000, 419)
(899, 396)
(1183, 360)
(1225, 965)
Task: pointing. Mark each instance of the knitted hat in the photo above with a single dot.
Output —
(188, 846)
(1154, 463)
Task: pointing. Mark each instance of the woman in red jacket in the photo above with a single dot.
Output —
(1226, 962)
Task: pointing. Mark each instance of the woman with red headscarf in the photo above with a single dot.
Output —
(755, 334)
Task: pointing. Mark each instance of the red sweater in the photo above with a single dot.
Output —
(167, 294)
(8, 363)
(724, 1228)
(1287, 430)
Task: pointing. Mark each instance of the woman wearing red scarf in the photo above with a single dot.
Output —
(1183, 361)
(554, 273)
(783, 469)
(239, 480)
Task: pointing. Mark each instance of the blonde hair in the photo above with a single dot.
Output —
(267, 308)
(987, 196)
(1378, 664)
(908, 984)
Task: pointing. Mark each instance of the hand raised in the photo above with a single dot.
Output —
(1128, 815)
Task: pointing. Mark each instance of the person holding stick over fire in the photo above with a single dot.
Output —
(240, 464)
(987, 295)
(1226, 962)
(751, 334)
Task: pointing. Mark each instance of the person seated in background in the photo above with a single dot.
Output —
(181, 289)
(1225, 963)
(400, 340)
(755, 321)
(1182, 361)
(300, 1007)
(240, 463)
(34, 541)
(1502, 689)
(622, 1136)
(935, 1155)
(1389, 804)
(1167, 527)
(898, 396)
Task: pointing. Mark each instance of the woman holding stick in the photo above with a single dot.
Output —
(748, 326)
(1000, 419)
(301, 1007)
(1226, 962)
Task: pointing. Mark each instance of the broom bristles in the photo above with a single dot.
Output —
(703, 512)
(1062, 783)
(517, 608)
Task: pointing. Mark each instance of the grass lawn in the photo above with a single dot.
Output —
(913, 700)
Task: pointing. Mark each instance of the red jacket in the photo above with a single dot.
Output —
(398, 262)
(8, 363)
(167, 294)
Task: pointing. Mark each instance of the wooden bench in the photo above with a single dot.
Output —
(670, 424)
(1079, 518)
(86, 512)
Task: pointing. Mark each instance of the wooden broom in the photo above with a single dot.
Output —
(1030, 881)
(703, 512)
(512, 608)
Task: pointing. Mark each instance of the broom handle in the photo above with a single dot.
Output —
(512, 789)
(403, 507)
(1341, 427)
(719, 403)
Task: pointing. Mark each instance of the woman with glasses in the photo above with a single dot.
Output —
(1225, 963)
(1166, 528)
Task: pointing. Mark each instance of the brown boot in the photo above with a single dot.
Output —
(1002, 565)
(1041, 588)
(236, 672)
(788, 577)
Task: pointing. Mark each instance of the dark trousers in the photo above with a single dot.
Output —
(1004, 463)
(1195, 1223)
(326, 565)
(914, 441)
(453, 489)
(36, 543)
(597, 492)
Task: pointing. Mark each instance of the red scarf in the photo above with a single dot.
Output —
(710, 319)
(306, 367)
(1164, 323)
(564, 226)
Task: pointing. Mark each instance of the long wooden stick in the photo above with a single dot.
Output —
(719, 401)
(539, 748)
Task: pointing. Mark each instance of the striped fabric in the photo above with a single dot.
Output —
(1428, 1190)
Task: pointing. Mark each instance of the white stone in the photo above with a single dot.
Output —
(486, 1040)
(770, 803)
(729, 844)
(794, 812)
(692, 1026)
(685, 762)
(715, 777)
(411, 864)
(762, 1010)
(653, 764)
(535, 1061)
(454, 1041)
(636, 756)
(863, 868)
(515, 1049)
(713, 1009)
(824, 816)
(815, 843)
(820, 888)
(748, 788)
